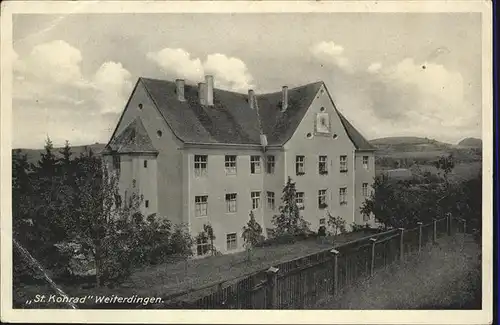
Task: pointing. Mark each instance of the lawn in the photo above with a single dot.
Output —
(445, 276)
(169, 278)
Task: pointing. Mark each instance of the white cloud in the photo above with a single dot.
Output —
(113, 83)
(229, 73)
(177, 63)
(425, 99)
(52, 72)
(374, 67)
(49, 84)
(332, 54)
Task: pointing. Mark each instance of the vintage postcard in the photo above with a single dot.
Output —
(247, 162)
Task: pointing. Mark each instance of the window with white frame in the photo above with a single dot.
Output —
(255, 200)
(300, 165)
(364, 189)
(322, 199)
(230, 165)
(300, 200)
(231, 202)
(231, 241)
(270, 164)
(343, 164)
(365, 162)
(202, 245)
(201, 206)
(255, 165)
(323, 165)
(343, 196)
(200, 165)
(271, 201)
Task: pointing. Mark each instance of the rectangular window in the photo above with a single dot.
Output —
(343, 196)
(322, 221)
(231, 202)
(201, 206)
(300, 200)
(200, 165)
(270, 165)
(323, 165)
(202, 245)
(364, 189)
(300, 165)
(116, 162)
(255, 164)
(322, 199)
(230, 164)
(271, 201)
(231, 242)
(365, 162)
(343, 164)
(145, 164)
(146, 203)
(255, 200)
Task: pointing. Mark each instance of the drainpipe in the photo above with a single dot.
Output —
(354, 186)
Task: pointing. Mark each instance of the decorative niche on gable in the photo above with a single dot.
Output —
(322, 123)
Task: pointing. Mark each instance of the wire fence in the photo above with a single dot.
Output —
(302, 282)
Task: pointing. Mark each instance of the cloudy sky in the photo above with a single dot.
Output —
(391, 74)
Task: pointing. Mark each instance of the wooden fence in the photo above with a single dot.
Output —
(302, 282)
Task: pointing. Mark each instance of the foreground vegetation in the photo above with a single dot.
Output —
(443, 276)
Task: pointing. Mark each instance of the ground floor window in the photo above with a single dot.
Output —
(231, 241)
(202, 245)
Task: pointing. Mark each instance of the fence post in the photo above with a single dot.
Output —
(272, 289)
(401, 245)
(465, 226)
(335, 284)
(372, 266)
(434, 232)
(448, 224)
(419, 236)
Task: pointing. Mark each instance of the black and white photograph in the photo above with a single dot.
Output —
(295, 162)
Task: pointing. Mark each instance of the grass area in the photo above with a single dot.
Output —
(444, 276)
(169, 278)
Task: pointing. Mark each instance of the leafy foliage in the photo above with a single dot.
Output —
(424, 197)
(336, 225)
(65, 200)
(289, 221)
(252, 234)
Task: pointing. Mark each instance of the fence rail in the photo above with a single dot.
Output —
(302, 282)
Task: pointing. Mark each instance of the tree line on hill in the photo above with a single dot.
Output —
(67, 209)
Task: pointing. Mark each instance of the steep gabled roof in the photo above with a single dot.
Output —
(356, 138)
(231, 120)
(133, 139)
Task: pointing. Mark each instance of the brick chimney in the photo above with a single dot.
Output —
(179, 83)
(209, 81)
(251, 98)
(202, 91)
(284, 98)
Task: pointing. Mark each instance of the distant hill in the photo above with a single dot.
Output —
(409, 144)
(34, 155)
(471, 142)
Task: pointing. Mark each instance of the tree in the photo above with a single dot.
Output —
(336, 225)
(289, 221)
(252, 234)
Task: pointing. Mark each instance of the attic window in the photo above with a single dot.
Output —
(159, 133)
(322, 109)
(140, 106)
(335, 136)
(309, 135)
